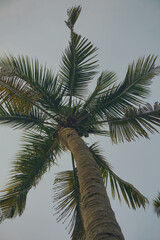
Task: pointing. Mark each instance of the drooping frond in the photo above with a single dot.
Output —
(67, 202)
(24, 79)
(135, 123)
(15, 90)
(132, 91)
(10, 114)
(130, 194)
(156, 204)
(35, 158)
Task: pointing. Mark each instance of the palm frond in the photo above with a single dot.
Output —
(73, 14)
(13, 115)
(156, 204)
(130, 194)
(37, 82)
(135, 122)
(131, 92)
(87, 115)
(35, 158)
(78, 66)
(104, 82)
(67, 202)
(17, 92)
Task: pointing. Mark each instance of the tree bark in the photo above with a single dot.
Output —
(98, 216)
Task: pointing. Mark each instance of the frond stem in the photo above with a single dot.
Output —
(73, 74)
(16, 117)
(124, 118)
(26, 99)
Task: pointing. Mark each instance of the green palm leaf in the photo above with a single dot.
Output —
(30, 79)
(35, 158)
(135, 123)
(130, 194)
(77, 69)
(78, 66)
(132, 91)
(67, 202)
(156, 204)
(104, 82)
(11, 114)
(17, 92)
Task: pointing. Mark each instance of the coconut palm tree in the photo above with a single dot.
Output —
(156, 204)
(58, 113)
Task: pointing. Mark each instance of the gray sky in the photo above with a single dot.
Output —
(123, 30)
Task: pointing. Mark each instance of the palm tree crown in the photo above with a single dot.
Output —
(41, 103)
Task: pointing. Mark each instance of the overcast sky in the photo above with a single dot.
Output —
(123, 30)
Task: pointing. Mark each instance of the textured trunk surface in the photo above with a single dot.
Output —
(98, 216)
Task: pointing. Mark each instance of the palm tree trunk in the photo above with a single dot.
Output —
(98, 216)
